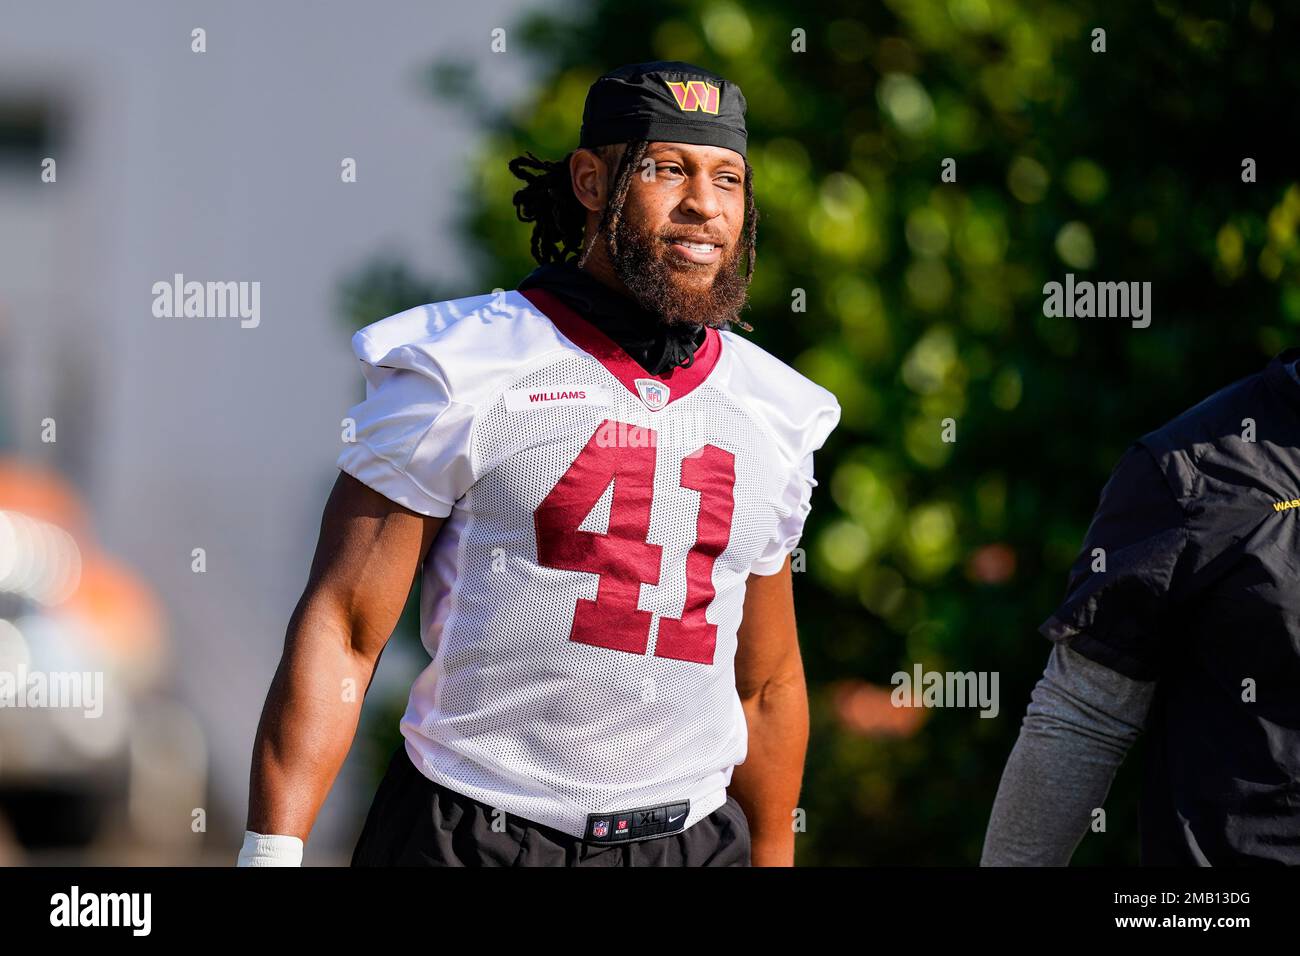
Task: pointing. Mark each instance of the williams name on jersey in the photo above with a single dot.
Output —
(581, 603)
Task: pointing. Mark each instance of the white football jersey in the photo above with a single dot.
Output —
(582, 599)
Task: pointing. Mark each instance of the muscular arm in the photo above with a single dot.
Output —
(770, 681)
(366, 559)
(1081, 721)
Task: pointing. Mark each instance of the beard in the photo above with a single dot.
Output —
(673, 288)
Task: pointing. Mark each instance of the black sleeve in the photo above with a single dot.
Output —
(1118, 616)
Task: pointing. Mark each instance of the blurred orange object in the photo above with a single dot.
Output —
(868, 710)
(117, 611)
(121, 614)
(992, 564)
(42, 493)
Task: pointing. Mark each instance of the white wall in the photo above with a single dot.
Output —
(222, 166)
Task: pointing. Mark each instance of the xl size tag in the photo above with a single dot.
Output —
(637, 824)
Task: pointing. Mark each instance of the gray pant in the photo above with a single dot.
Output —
(416, 822)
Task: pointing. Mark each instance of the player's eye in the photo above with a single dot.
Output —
(670, 168)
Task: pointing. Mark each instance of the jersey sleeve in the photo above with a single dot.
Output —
(1130, 574)
(412, 437)
(796, 502)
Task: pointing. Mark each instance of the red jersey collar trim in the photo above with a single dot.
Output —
(680, 381)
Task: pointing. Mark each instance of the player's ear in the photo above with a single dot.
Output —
(590, 175)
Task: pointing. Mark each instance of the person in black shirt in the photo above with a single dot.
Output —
(1182, 613)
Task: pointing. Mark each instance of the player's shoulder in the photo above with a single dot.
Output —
(757, 369)
(473, 345)
(1212, 423)
(802, 412)
(1207, 438)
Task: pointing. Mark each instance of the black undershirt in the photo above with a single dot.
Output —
(656, 346)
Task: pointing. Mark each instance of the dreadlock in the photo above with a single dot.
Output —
(548, 202)
(559, 220)
(613, 215)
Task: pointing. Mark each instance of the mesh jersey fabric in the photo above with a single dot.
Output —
(581, 603)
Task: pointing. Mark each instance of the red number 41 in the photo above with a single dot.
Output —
(623, 558)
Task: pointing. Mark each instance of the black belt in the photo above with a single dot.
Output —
(639, 824)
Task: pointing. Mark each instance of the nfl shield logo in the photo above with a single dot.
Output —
(654, 394)
(600, 828)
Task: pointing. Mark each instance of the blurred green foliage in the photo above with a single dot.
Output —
(924, 303)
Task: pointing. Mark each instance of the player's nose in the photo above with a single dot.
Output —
(700, 199)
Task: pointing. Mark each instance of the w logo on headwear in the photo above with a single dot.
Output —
(695, 95)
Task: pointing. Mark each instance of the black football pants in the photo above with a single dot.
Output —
(416, 822)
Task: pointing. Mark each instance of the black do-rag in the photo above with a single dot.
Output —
(665, 101)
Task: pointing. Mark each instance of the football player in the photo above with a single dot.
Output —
(601, 485)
